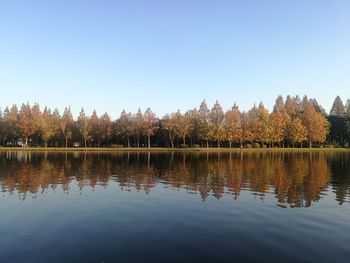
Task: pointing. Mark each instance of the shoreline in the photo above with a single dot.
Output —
(160, 149)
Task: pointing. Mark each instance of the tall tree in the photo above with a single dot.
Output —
(95, 129)
(25, 123)
(278, 122)
(203, 122)
(296, 132)
(170, 125)
(317, 126)
(338, 108)
(233, 126)
(217, 123)
(48, 128)
(11, 124)
(124, 126)
(137, 126)
(66, 124)
(184, 125)
(263, 128)
(347, 108)
(105, 129)
(279, 105)
(36, 117)
(150, 125)
(83, 125)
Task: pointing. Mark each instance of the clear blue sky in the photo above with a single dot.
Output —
(170, 55)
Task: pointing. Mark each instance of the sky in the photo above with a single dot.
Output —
(172, 54)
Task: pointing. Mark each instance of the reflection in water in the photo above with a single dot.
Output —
(297, 179)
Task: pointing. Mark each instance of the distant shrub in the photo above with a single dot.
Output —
(248, 145)
(264, 146)
(183, 145)
(195, 146)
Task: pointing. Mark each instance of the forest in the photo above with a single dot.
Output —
(293, 122)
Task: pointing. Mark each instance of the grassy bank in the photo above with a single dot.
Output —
(158, 149)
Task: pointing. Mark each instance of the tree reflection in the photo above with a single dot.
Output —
(295, 179)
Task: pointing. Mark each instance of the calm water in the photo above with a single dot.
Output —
(129, 207)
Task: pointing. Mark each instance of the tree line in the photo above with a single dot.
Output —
(293, 122)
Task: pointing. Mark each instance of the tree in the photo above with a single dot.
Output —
(66, 124)
(105, 128)
(83, 125)
(278, 123)
(317, 126)
(36, 117)
(263, 128)
(347, 108)
(233, 126)
(170, 125)
(11, 124)
(279, 105)
(124, 126)
(95, 128)
(184, 125)
(25, 123)
(203, 122)
(217, 123)
(48, 127)
(138, 121)
(150, 125)
(338, 108)
(296, 132)
(247, 126)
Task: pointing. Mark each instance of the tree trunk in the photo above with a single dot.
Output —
(310, 144)
(149, 140)
(218, 143)
(66, 142)
(184, 140)
(230, 144)
(207, 144)
(128, 142)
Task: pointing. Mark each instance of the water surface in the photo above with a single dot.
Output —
(174, 207)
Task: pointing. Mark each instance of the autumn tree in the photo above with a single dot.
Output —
(184, 126)
(278, 121)
(217, 123)
(262, 125)
(48, 126)
(233, 126)
(36, 117)
(203, 122)
(317, 126)
(66, 124)
(105, 128)
(150, 125)
(296, 132)
(137, 126)
(95, 128)
(170, 125)
(25, 123)
(83, 125)
(124, 126)
(11, 124)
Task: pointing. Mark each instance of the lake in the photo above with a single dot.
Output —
(174, 207)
